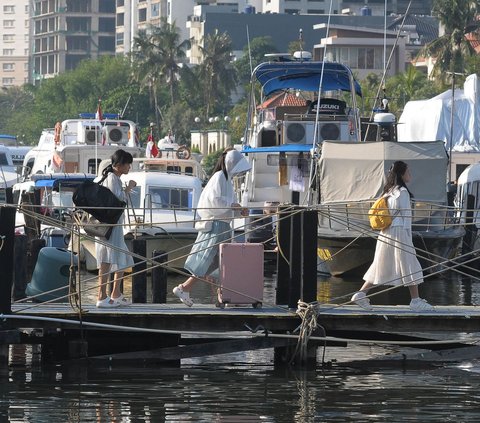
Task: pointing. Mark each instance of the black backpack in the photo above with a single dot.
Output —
(98, 201)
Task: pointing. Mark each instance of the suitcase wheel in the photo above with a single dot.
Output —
(257, 305)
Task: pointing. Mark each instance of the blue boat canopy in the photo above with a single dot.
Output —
(54, 180)
(285, 148)
(305, 76)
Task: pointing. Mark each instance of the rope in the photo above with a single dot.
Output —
(308, 313)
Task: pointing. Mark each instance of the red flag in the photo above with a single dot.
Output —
(99, 115)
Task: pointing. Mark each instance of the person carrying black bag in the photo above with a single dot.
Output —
(112, 253)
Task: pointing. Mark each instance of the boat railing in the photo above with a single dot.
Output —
(354, 216)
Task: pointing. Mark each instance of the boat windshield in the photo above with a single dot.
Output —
(163, 197)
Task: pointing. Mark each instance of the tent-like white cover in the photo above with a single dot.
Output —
(428, 120)
(355, 171)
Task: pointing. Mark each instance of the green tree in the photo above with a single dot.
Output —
(409, 85)
(216, 73)
(210, 161)
(451, 50)
(157, 55)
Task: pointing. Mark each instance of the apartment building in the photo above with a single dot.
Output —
(136, 15)
(65, 32)
(133, 16)
(301, 7)
(14, 42)
(397, 7)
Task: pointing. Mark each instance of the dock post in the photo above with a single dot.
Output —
(296, 269)
(139, 280)
(297, 257)
(7, 236)
(20, 267)
(159, 278)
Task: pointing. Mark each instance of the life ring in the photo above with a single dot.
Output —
(183, 152)
(56, 137)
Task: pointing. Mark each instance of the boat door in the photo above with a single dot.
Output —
(88, 163)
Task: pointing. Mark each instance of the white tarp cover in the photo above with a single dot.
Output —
(428, 120)
(356, 171)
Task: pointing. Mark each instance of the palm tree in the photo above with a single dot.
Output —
(156, 56)
(173, 52)
(458, 19)
(216, 72)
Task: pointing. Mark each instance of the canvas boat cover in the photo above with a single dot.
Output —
(428, 120)
(356, 171)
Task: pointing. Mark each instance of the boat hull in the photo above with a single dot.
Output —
(349, 253)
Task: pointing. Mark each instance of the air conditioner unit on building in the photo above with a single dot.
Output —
(117, 134)
(302, 132)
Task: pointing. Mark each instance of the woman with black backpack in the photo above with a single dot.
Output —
(112, 254)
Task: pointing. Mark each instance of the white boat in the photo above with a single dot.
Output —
(8, 170)
(288, 124)
(162, 207)
(286, 127)
(79, 145)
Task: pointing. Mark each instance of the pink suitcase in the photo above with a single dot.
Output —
(241, 272)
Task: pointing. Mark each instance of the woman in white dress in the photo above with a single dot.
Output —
(216, 208)
(112, 254)
(395, 261)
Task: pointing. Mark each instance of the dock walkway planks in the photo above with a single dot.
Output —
(204, 317)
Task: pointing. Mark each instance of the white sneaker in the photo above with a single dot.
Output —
(360, 298)
(183, 295)
(107, 302)
(419, 304)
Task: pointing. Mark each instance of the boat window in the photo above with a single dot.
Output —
(167, 198)
(3, 159)
(174, 169)
(92, 167)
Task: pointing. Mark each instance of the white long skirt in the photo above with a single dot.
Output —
(114, 250)
(395, 261)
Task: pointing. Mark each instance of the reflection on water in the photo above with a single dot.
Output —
(244, 387)
(234, 391)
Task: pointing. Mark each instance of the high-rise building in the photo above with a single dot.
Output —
(134, 16)
(66, 32)
(14, 42)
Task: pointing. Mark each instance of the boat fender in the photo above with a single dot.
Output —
(183, 152)
(56, 137)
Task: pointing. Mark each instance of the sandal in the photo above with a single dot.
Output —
(122, 301)
(107, 302)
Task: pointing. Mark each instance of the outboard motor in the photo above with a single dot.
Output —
(386, 126)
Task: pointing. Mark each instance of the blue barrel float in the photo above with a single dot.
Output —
(52, 271)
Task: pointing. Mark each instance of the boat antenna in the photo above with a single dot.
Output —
(300, 41)
(249, 51)
(316, 146)
(382, 82)
(125, 108)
